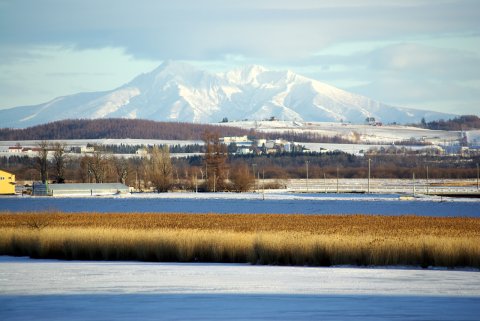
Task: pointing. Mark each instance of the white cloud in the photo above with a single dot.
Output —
(378, 47)
(47, 72)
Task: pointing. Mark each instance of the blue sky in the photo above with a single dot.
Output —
(415, 53)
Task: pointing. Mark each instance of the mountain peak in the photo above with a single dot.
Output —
(178, 91)
(248, 74)
(174, 67)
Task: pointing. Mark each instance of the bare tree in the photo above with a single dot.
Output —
(85, 172)
(241, 178)
(159, 169)
(215, 158)
(95, 166)
(42, 160)
(121, 169)
(59, 161)
(99, 166)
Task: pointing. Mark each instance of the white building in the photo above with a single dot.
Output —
(234, 139)
(142, 152)
(87, 149)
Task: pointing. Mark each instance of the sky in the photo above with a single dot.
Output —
(421, 54)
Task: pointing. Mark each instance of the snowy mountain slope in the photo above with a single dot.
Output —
(177, 91)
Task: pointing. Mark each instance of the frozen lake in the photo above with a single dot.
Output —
(285, 203)
(57, 290)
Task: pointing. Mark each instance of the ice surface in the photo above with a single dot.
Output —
(55, 290)
(277, 203)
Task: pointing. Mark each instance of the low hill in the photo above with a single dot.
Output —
(117, 129)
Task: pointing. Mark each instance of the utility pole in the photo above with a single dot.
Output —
(136, 181)
(427, 179)
(196, 182)
(254, 176)
(413, 178)
(325, 182)
(369, 161)
(337, 179)
(263, 183)
(214, 181)
(478, 177)
(306, 163)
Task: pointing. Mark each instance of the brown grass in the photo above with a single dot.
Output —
(256, 238)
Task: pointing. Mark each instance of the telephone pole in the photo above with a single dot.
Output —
(214, 181)
(478, 177)
(413, 178)
(337, 179)
(325, 182)
(306, 163)
(427, 179)
(263, 184)
(369, 162)
(254, 177)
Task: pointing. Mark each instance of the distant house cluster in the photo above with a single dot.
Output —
(33, 151)
(23, 150)
(241, 145)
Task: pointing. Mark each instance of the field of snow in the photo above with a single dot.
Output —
(55, 290)
(385, 134)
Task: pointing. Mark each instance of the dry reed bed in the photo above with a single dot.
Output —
(256, 238)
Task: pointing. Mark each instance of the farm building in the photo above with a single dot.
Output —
(81, 189)
(7, 183)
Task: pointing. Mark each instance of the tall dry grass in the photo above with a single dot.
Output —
(259, 239)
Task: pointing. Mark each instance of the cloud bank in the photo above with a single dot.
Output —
(384, 49)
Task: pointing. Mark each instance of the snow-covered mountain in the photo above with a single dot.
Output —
(177, 91)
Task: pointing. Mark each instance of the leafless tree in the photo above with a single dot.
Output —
(95, 166)
(241, 178)
(42, 160)
(159, 169)
(59, 161)
(121, 169)
(215, 161)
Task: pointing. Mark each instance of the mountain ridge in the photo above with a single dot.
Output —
(176, 91)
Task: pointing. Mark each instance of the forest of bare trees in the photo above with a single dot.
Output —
(147, 129)
(116, 128)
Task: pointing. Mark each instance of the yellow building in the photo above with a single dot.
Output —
(7, 183)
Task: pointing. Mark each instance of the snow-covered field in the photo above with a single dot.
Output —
(366, 133)
(55, 290)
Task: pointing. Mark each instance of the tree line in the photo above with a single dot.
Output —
(119, 128)
(464, 122)
(217, 170)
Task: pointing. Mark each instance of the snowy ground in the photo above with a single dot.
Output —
(55, 290)
(373, 134)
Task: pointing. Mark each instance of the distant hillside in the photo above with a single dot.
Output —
(115, 128)
(118, 129)
(466, 122)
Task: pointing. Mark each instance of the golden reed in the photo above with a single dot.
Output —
(317, 240)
